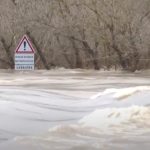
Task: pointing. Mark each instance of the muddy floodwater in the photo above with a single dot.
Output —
(66, 109)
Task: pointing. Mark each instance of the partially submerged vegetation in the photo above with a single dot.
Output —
(78, 33)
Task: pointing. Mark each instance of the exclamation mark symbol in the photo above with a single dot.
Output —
(25, 45)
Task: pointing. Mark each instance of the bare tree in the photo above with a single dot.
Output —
(78, 34)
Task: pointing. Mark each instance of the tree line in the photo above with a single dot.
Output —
(89, 34)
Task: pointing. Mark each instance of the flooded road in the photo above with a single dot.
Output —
(74, 110)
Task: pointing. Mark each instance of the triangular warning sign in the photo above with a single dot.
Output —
(25, 46)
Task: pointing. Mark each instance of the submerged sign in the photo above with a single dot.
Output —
(24, 55)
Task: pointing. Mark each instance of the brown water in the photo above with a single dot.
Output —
(74, 110)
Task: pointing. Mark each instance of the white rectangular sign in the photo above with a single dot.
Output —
(24, 61)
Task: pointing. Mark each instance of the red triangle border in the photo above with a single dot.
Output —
(25, 37)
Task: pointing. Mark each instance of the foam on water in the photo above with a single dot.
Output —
(119, 119)
(123, 92)
(105, 128)
(85, 110)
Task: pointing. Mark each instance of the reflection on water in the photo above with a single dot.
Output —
(74, 110)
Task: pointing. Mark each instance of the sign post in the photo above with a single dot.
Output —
(24, 55)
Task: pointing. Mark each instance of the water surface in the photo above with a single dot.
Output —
(74, 110)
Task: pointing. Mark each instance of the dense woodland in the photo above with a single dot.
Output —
(90, 34)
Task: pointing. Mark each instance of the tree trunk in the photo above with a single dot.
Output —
(42, 57)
